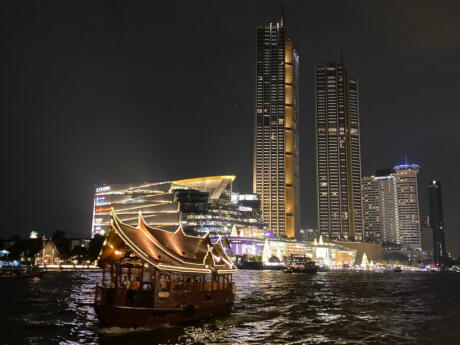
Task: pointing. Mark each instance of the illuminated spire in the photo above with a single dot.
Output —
(234, 233)
(364, 261)
(278, 254)
(282, 16)
(266, 252)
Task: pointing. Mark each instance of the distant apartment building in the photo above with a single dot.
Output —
(276, 144)
(338, 155)
(391, 207)
(408, 206)
(381, 221)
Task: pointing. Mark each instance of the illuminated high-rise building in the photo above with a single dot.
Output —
(437, 223)
(408, 207)
(276, 145)
(380, 208)
(338, 156)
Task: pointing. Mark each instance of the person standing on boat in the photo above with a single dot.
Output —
(127, 283)
(161, 281)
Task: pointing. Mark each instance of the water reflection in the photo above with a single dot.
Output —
(271, 307)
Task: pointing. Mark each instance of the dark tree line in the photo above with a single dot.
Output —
(26, 248)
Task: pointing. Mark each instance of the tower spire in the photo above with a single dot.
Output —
(342, 59)
(282, 16)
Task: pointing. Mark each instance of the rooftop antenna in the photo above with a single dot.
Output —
(406, 159)
(282, 16)
(342, 59)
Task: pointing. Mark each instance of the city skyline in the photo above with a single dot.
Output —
(102, 94)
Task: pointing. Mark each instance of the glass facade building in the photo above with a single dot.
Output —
(276, 144)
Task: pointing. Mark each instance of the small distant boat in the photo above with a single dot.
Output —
(397, 269)
(153, 276)
(300, 264)
(250, 265)
(21, 272)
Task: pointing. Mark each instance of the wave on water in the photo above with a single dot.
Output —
(114, 330)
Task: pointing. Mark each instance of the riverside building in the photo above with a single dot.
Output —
(199, 204)
(391, 208)
(338, 156)
(408, 206)
(380, 208)
(276, 143)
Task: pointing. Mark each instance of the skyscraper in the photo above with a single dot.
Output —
(338, 156)
(380, 209)
(276, 146)
(408, 208)
(437, 223)
(390, 206)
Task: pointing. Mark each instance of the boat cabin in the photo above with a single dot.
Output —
(155, 276)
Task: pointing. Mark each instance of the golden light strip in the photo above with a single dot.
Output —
(184, 269)
(227, 271)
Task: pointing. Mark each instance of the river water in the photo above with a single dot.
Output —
(271, 308)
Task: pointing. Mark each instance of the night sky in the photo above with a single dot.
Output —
(120, 92)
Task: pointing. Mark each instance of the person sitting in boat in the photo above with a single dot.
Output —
(135, 285)
(188, 287)
(133, 288)
(179, 285)
(167, 282)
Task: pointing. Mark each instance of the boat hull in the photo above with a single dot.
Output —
(123, 316)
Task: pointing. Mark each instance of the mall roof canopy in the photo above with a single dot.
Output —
(164, 250)
(214, 185)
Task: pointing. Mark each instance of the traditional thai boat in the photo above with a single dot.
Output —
(152, 276)
(300, 264)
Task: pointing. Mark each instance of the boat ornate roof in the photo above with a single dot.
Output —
(164, 250)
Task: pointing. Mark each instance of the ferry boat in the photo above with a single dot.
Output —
(300, 264)
(152, 276)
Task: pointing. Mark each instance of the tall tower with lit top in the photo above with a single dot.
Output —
(276, 143)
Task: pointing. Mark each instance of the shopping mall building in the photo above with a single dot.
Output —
(199, 204)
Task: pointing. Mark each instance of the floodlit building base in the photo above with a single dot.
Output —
(327, 254)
